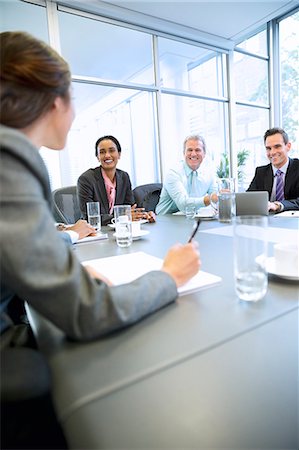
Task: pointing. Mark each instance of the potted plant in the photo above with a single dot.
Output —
(223, 168)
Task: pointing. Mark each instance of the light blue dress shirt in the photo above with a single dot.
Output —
(178, 188)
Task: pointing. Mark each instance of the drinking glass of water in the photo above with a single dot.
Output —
(123, 225)
(190, 208)
(250, 256)
(94, 215)
(226, 199)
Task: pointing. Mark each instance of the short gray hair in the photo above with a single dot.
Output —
(195, 137)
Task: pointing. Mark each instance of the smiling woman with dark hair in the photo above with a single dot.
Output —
(105, 184)
(108, 185)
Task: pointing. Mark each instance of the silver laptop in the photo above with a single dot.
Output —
(253, 203)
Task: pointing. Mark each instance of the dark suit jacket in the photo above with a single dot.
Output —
(263, 181)
(91, 188)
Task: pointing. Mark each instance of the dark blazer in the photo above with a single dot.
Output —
(91, 188)
(263, 181)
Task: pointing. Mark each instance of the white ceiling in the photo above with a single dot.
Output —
(221, 18)
(217, 21)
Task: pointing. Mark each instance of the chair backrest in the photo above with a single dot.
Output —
(147, 195)
(66, 205)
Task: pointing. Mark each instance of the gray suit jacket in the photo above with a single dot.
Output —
(39, 267)
(91, 188)
(263, 181)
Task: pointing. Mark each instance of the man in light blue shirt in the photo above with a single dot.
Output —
(188, 180)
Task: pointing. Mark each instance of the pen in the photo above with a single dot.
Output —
(194, 231)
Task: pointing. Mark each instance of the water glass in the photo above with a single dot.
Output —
(227, 201)
(214, 202)
(190, 209)
(250, 256)
(123, 225)
(94, 215)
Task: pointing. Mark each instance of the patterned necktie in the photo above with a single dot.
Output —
(279, 186)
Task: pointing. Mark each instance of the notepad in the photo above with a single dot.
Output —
(98, 237)
(123, 269)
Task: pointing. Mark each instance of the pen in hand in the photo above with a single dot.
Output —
(194, 231)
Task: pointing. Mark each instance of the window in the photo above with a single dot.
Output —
(251, 79)
(256, 44)
(251, 124)
(250, 69)
(182, 116)
(21, 16)
(191, 68)
(105, 107)
(289, 70)
(125, 113)
(152, 90)
(104, 50)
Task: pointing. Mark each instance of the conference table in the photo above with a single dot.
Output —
(207, 372)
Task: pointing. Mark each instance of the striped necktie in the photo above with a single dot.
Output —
(279, 186)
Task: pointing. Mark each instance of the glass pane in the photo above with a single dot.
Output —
(251, 79)
(124, 113)
(184, 116)
(256, 44)
(20, 16)
(102, 50)
(191, 68)
(251, 126)
(289, 57)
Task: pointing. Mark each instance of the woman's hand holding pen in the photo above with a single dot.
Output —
(182, 262)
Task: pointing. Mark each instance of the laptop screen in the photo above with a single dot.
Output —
(254, 203)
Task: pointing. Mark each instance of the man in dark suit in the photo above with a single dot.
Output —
(281, 177)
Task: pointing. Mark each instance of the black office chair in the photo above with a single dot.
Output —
(66, 205)
(147, 195)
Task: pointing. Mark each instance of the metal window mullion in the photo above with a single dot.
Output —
(253, 55)
(54, 40)
(193, 95)
(275, 117)
(112, 83)
(233, 162)
(158, 109)
(53, 26)
(252, 105)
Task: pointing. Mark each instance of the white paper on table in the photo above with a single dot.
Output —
(204, 212)
(274, 234)
(98, 237)
(287, 214)
(123, 269)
